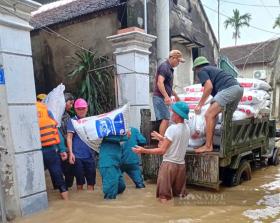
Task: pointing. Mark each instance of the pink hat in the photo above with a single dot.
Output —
(80, 103)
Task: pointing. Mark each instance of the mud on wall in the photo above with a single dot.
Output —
(53, 56)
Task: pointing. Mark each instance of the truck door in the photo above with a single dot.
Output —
(203, 169)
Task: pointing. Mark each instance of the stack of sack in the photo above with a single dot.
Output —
(255, 101)
(255, 97)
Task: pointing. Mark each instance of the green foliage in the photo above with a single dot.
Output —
(96, 83)
(237, 21)
(277, 22)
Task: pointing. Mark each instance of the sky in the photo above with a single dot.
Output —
(262, 17)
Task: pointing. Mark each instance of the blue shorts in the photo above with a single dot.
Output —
(160, 108)
(84, 169)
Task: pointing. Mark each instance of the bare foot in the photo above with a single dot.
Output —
(90, 188)
(79, 188)
(163, 200)
(204, 149)
(64, 195)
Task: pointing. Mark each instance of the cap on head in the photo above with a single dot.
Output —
(181, 108)
(68, 97)
(178, 54)
(41, 97)
(80, 103)
(200, 61)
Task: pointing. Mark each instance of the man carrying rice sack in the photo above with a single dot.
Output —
(225, 90)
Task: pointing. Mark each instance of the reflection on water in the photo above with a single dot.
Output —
(253, 201)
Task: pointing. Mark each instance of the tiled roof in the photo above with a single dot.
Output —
(65, 10)
(262, 52)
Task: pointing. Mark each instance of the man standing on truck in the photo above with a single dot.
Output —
(225, 91)
(163, 91)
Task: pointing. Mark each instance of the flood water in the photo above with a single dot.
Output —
(255, 201)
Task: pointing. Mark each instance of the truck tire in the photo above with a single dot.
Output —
(274, 160)
(236, 177)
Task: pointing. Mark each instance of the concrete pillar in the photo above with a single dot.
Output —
(21, 163)
(132, 58)
(163, 36)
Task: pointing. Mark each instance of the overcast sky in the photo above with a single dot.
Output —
(263, 17)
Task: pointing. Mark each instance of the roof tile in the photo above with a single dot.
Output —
(262, 52)
(70, 10)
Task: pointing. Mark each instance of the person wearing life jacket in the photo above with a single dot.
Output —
(50, 140)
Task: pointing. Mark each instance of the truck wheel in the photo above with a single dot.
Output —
(236, 177)
(274, 160)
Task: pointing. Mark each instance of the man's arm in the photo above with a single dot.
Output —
(69, 146)
(161, 87)
(208, 87)
(175, 95)
(160, 151)
(157, 136)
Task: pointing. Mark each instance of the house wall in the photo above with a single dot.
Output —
(275, 79)
(45, 1)
(183, 74)
(249, 70)
(53, 56)
(203, 32)
(186, 19)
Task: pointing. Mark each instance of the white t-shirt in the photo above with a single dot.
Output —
(179, 135)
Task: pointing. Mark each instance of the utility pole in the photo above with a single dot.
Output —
(219, 23)
(162, 18)
(145, 16)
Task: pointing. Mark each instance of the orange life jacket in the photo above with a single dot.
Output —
(48, 130)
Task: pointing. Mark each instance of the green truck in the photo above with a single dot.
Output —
(244, 144)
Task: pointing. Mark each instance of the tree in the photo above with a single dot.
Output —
(237, 21)
(95, 81)
(277, 22)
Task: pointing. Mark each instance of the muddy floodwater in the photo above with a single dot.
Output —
(255, 201)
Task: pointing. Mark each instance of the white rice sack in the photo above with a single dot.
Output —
(197, 123)
(194, 143)
(193, 97)
(192, 107)
(217, 140)
(267, 103)
(254, 97)
(194, 88)
(250, 83)
(251, 110)
(217, 130)
(237, 115)
(220, 118)
(55, 102)
(92, 129)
